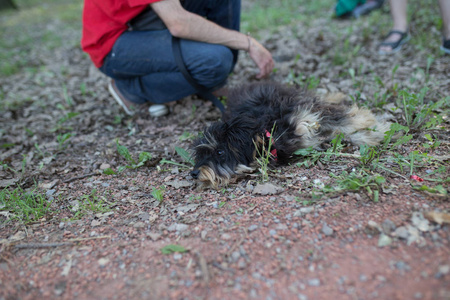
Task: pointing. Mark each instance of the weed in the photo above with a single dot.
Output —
(169, 249)
(186, 136)
(24, 206)
(143, 158)
(91, 203)
(158, 194)
(264, 155)
(356, 181)
(109, 171)
(62, 140)
(432, 143)
(184, 155)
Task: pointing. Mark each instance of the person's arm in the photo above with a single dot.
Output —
(186, 25)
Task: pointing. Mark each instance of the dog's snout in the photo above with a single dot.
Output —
(195, 173)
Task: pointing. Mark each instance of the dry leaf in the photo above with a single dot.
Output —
(438, 217)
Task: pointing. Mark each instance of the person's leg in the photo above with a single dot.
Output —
(445, 13)
(399, 15)
(144, 69)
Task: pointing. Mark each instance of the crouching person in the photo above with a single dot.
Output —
(131, 42)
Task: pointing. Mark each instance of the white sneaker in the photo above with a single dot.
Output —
(158, 110)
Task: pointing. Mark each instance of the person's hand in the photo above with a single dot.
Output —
(262, 58)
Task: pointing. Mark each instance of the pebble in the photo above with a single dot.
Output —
(105, 166)
(103, 261)
(226, 237)
(177, 256)
(402, 266)
(61, 225)
(388, 226)
(442, 271)
(302, 297)
(252, 228)
(384, 240)
(50, 192)
(402, 232)
(420, 222)
(139, 225)
(178, 227)
(272, 232)
(281, 227)
(303, 211)
(242, 264)
(314, 282)
(327, 230)
(235, 255)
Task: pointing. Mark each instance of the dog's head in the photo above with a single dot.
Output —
(225, 150)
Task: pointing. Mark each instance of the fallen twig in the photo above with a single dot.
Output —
(42, 245)
(53, 245)
(81, 177)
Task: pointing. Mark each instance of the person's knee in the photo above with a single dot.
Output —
(214, 67)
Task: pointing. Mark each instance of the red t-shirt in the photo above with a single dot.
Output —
(104, 21)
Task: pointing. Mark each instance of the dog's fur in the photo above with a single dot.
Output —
(296, 120)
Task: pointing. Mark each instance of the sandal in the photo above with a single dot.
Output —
(446, 46)
(395, 46)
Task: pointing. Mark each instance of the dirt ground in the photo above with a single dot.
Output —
(245, 241)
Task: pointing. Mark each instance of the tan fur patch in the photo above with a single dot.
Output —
(334, 98)
(307, 125)
(362, 127)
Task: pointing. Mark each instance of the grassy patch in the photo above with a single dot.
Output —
(272, 14)
(24, 206)
(18, 35)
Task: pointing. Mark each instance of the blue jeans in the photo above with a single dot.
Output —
(143, 66)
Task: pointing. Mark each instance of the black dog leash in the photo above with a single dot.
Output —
(201, 90)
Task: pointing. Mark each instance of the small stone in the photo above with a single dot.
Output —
(302, 297)
(267, 189)
(327, 230)
(139, 225)
(61, 225)
(384, 240)
(105, 166)
(314, 282)
(242, 264)
(272, 232)
(373, 225)
(226, 237)
(402, 232)
(402, 266)
(154, 236)
(443, 270)
(103, 261)
(388, 226)
(203, 234)
(303, 211)
(95, 223)
(50, 192)
(177, 256)
(281, 227)
(235, 255)
(178, 227)
(252, 228)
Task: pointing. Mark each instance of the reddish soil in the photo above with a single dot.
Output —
(295, 242)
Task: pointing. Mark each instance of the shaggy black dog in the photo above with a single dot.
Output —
(285, 119)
